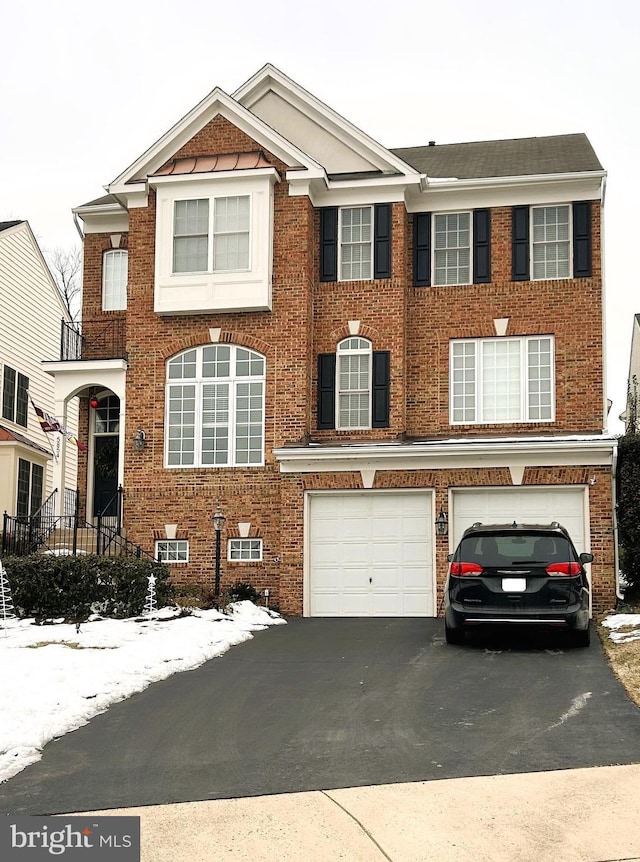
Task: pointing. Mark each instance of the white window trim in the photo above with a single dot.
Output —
(371, 242)
(433, 247)
(198, 382)
(239, 542)
(524, 381)
(211, 235)
(358, 352)
(531, 243)
(122, 304)
(176, 543)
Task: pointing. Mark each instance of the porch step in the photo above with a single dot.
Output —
(62, 540)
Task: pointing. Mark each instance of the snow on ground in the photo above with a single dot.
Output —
(629, 622)
(54, 679)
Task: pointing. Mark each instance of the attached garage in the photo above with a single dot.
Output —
(567, 506)
(370, 554)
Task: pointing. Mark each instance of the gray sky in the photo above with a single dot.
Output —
(87, 88)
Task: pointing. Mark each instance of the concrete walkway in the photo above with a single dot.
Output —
(580, 815)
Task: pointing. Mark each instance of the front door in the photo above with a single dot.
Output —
(105, 457)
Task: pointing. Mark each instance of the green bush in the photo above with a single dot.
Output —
(46, 586)
(242, 591)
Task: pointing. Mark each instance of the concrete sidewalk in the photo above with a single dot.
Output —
(580, 815)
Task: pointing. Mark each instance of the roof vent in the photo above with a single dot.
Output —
(432, 143)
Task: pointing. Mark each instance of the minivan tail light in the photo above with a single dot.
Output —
(465, 569)
(564, 569)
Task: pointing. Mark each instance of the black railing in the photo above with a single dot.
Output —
(93, 339)
(68, 534)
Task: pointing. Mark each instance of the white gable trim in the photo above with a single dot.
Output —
(270, 78)
(217, 103)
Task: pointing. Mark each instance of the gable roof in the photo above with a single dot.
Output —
(515, 157)
(5, 225)
(9, 436)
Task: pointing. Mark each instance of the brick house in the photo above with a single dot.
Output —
(341, 344)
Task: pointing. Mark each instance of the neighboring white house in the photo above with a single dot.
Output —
(31, 311)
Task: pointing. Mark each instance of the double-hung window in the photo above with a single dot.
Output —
(15, 396)
(212, 234)
(215, 407)
(356, 243)
(502, 380)
(354, 383)
(114, 279)
(550, 241)
(452, 248)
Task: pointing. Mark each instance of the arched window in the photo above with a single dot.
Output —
(215, 407)
(354, 383)
(114, 279)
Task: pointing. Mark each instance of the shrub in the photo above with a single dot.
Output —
(73, 587)
(628, 510)
(242, 591)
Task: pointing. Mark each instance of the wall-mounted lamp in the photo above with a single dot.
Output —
(139, 440)
(442, 523)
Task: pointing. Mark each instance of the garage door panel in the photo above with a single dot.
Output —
(370, 554)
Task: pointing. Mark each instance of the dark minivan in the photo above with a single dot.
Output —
(517, 574)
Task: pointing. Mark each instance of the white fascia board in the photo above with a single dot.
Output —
(270, 78)
(216, 103)
(181, 179)
(349, 193)
(554, 452)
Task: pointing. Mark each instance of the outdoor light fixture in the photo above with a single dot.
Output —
(139, 440)
(442, 523)
(218, 524)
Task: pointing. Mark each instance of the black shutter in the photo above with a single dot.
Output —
(422, 249)
(581, 239)
(329, 244)
(380, 393)
(327, 390)
(382, 241)
(520, 244)
(481, 246)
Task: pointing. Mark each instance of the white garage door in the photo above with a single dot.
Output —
(524, 505)
(370, 554)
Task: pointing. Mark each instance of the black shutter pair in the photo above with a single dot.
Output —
(381, 242)
(481, 248)
(379, 392)
(581, 241)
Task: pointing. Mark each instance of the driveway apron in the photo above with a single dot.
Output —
(331, 703)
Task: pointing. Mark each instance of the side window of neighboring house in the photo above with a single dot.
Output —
(551, 242)
(212, 234)
(215, 407)
(15, 396)
(115, 263)
(502, 380)
(30, 486)
(355, 243)
(452, 248)
(353, 386)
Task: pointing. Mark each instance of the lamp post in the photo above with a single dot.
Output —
(218, 524)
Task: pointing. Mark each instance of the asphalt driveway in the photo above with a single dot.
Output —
(322, 703)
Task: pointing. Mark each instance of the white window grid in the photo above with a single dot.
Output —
(244, 550)
(355, 231)
(215, 414)
(502, 380)
(212, 234)
(172, 550)
(451, 248)
(115, 265)
(551, 246)
(353, 389)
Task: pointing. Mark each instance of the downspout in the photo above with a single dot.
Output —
(77, 224)
(614, 465)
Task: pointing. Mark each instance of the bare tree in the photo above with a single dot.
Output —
(66, 269)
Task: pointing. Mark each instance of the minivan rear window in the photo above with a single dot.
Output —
(499, 549)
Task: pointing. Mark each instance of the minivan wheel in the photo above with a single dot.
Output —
(581, 638)
(453, 635)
